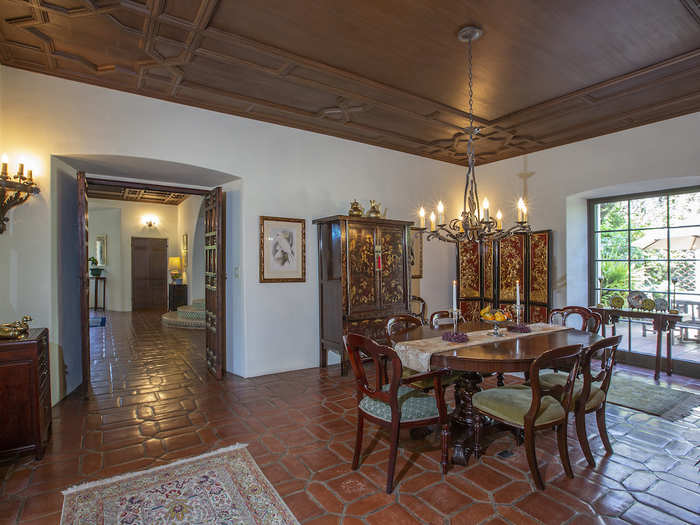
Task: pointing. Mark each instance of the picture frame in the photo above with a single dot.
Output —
(101, 249)
(416, 255)
(184, 250)
(282, 250)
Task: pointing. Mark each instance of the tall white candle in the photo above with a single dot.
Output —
(454, 296)
(517, 293)
(432, 221)
(421, 217)
(441, 213)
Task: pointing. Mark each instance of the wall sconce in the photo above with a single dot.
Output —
(149, 221)
(14, 190)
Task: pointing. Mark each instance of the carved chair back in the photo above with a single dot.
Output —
(387, 369)
(399, 324)
(568, 356)
(419, 302)
(608, 347)
(441, 317)
(590, 320)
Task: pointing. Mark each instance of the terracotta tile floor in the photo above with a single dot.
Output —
(152, 402)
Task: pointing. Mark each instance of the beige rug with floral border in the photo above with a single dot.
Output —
(223, 487)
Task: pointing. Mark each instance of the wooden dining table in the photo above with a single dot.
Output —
(511, 355)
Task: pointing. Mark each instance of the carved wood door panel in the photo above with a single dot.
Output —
(84, 278)
(363, 284)
(215, 281)
(393, 268)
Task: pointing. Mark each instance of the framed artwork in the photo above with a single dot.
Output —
(282, 250)
(416, 244)
(184, 250)
(101, 249)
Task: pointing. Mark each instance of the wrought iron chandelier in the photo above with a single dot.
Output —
(474, 224)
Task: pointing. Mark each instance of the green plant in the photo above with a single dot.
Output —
(92, 261)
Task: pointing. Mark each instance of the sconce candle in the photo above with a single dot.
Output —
(522, 210)
(432, 221)
(3, 173)
(441, 213)
(20, 169)
(421, 217)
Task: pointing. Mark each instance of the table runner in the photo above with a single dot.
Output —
(416, 354)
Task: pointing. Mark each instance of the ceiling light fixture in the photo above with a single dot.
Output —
(474, 224)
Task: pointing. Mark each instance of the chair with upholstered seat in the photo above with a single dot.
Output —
(590, 392)
(590, 320)
(442, 317)
(394, 405)
(530, 409)
(420, 304)
(397, 325)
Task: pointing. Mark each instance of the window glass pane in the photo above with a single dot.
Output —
(615, 275)
(649, 276)
(685, 243)
(612, 215)
(649, 244)
(612, 245)
(687, 305)
(648, 213)
(685, 209)
(643, 340)
(685, 276)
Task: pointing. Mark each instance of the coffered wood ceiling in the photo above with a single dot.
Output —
(96, 190)
(389, 73)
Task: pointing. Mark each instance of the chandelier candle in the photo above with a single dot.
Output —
(499, 220)
(432, 221)
(421, 215)
(441, 213)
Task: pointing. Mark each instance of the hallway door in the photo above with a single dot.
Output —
(149, 274)
(215, 280)
(84, 279)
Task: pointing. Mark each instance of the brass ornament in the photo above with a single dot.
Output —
(15, 330)
(375, 209)
(355, 209)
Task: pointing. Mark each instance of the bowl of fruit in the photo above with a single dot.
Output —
(497, 318)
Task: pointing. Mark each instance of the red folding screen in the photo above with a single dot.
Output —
(523, 257)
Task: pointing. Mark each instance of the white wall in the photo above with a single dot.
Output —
(284, 172)
(648, 158)
(190, 220)
(107, 221)
(131, 214)
(293, 173)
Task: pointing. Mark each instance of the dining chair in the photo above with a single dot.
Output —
(590, 392)
(394, 405)
(590, 320)
(441, 317)
(396, 325)
(420, 302)
(528, 408)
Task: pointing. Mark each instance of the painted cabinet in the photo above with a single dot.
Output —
(364, 276)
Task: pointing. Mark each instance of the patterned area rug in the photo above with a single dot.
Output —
(223, 487)
(645, 396)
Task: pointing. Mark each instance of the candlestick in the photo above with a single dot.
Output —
(517, 294)
(454, 296)
(432, 221)
(499, 220)
(441, 213)
(421, 217)
(486, 210)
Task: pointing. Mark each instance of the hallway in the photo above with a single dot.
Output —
(152, 401)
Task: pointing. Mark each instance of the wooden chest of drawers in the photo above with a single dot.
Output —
(25, 393)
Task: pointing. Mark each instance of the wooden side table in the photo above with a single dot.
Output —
(25, 393)
(99, 280)
(661, 321)
(177, 296)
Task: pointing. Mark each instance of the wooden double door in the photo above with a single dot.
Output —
(149, 274)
